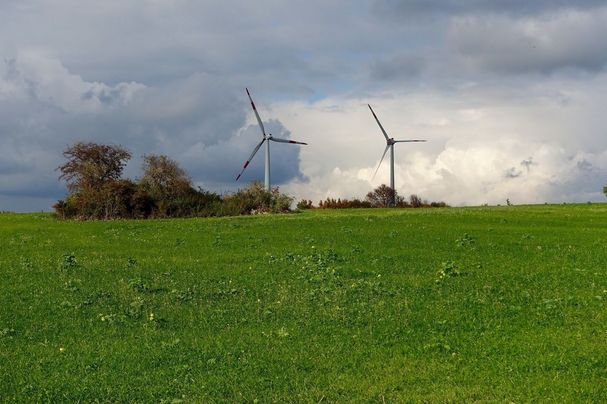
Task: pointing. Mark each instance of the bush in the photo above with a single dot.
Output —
(256, 199)
(331, 203)
(305, 204)
(115, 199)
(89, 166)
(383, 196)
(163, 178)
(189, 204)
(415, 201)
(380, 197)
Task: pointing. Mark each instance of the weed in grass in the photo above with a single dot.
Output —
(156, 322)
(72, 285)
(465, 240)
(138, 285)
(26, 263)
(131, 263)
(68, 262)
(448, 269)
(282, 332)
(7, 333)
(182, 296)
(112, 319)
(136, 309)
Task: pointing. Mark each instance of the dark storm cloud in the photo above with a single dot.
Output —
(220, 163)
(43, 111)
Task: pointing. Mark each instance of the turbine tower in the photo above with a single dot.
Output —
(390, 145)
(267, 138)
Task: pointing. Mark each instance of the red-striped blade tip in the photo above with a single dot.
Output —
(245, 165)
(237, 178)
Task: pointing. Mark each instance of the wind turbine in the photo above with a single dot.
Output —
(267, 138)
(390, 145)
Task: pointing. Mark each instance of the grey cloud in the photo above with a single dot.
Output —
(528, 163)
(513, 172)
(564, 40)
(168, 77)
(218, 164)
(416, 8)
(402, 66)
(585, 165)
(196, 120)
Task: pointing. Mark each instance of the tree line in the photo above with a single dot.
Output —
(380, 197)
(97, 190)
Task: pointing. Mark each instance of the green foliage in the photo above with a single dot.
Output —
(323, 306)
(383, 197)
(90, 165)
(255, 199)
(305, 204)
(113, 199)
(96, 191)
(332, 203)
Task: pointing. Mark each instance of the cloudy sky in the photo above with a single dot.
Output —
(510, 94)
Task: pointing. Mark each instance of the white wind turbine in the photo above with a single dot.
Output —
(390, 145)
(266, 138)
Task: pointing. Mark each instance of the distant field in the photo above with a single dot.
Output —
(487, 304)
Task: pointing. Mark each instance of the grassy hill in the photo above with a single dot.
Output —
(506, 303)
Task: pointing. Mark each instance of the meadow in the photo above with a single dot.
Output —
(374, 305)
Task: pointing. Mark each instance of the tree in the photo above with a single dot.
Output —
(90, 166)
(416, 201)
(383, 196)
(163, 178)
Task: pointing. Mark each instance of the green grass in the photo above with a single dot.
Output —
(471, 304)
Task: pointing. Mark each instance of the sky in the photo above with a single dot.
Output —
(509, 94)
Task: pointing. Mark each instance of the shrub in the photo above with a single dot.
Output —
(415, 201)
(188, 204)
(305, 204)
(90, 165)
(383, 196)
(114, 199)
(163, 179)
(331, 203)
(256, 199)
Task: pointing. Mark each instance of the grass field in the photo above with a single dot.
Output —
(460, 304)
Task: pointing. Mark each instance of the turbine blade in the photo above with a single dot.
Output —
(246, 163)
(380, 161)
(409, 141)
(285, 140)
(263, 130)
(381, 127)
